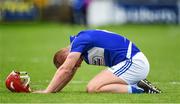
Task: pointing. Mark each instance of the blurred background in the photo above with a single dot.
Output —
(31, 31)
(92, 12)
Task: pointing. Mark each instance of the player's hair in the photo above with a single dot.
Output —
(60, 56)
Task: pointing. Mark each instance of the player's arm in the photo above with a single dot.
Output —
(64, 73)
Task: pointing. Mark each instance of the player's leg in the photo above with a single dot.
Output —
(106, 81)
(121, 78)
(105, 77)
(114, 88)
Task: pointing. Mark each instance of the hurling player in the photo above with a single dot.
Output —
(127, 67)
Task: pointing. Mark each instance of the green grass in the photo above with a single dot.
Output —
(30, 47)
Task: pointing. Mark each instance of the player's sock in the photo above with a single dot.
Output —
(134, 89)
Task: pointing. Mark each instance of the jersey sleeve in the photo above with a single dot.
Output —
(81, 43)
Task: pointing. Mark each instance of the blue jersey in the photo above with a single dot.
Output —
(100, 47)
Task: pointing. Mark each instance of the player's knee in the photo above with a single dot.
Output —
(91, 89)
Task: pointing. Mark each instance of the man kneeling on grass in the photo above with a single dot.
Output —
(127, 66)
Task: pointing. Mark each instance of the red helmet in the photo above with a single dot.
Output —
(18, 82)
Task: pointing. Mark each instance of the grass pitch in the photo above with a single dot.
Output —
(30, 47)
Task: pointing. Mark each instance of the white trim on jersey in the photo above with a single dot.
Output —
(128, 55)
(96, 56)
(72, 41)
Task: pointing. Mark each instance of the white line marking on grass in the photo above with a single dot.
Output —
(39, 83)
(32, 59)
(85, 82)
(174, 83)
(78, 82)
(73, 81)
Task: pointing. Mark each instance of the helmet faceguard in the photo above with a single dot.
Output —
(18, 82)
